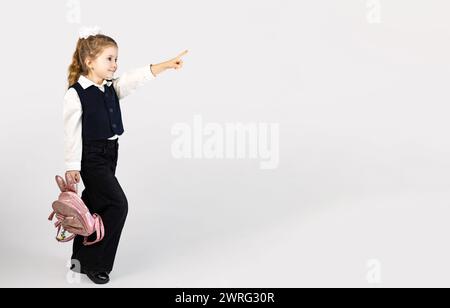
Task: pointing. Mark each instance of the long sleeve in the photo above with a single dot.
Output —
(128, 82)
(73, 143)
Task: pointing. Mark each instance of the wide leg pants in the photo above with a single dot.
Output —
(102, 195)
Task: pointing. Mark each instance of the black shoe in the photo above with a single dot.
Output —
(82, 271)
(98, 277)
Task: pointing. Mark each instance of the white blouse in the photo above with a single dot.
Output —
(72, 110)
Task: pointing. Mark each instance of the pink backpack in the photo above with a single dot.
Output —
(73, 215)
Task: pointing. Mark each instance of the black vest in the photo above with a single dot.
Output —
(101, 118)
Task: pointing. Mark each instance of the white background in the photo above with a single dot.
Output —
(364, 147)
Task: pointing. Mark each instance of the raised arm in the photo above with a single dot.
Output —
(130, 81)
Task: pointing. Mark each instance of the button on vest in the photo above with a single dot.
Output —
(102, 117)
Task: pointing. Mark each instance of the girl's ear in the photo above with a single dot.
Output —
(88, 62)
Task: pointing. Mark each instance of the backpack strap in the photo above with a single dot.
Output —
(52, 214)
(99, 229)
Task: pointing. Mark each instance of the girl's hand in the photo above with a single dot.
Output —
(176, 62)
(74, 174)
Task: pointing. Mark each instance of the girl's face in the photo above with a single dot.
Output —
(105, 64)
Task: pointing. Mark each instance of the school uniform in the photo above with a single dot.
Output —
(92, 126)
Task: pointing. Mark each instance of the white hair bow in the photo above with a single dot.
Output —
(85, 32)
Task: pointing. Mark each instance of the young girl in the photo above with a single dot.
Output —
(92, 125)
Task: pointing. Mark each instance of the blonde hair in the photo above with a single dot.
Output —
(89, 47)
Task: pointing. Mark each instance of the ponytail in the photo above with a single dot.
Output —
(76, 67)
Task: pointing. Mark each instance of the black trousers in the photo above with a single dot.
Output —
(102, 195)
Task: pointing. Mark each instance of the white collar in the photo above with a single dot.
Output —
(86, 83)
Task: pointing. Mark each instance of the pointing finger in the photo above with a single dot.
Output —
(182, 54)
